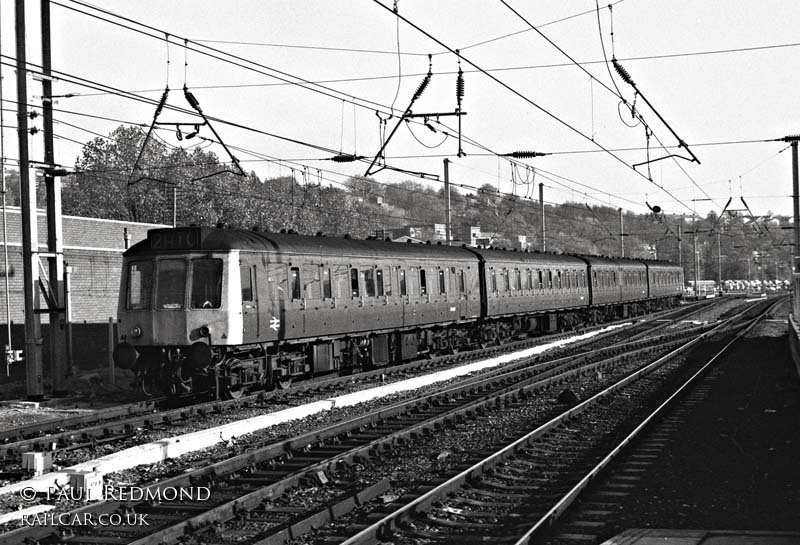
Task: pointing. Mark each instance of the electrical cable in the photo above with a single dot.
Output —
(531, 102)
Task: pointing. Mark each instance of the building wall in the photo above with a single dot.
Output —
(92, 247)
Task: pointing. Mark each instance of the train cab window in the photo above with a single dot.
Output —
(326, 284)
(170, 284)
(379, 282)
(494, 281)
(403, 290)
(442, 285)
(206, 283)
(354, 291)
(140, 285)
(368, 276)
(294, 282)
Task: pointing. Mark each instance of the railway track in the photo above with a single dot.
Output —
(516, 492)
(247, 486)
(88, 431)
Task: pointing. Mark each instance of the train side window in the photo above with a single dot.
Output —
(276, 281)
(540, 285)
(518, 279)
(550, 279)
(368, 275)
(246, 275)
(504, 275)
(462, 284)
(529, 279)
(403, 290)
(310, 278)
(442, 286)
(140, 285)
(294, 279)
(379, 282)
(594, 279)
(326, 284)
(423, 282)
(583, 279)
(614, 277)
(494, 280)
(354, 291)
(341, 281)
(558, 279)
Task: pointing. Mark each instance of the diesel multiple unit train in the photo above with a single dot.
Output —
(228, 311)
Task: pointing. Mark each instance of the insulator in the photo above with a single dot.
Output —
(345, 158)
(191, 100)
(623, 73)
(524, 154)
(791, 138)
(422, 86)
(460, 86)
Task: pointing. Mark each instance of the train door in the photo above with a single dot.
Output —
(247, 274)
(462, 292)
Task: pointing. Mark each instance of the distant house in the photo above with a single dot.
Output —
(406, 238)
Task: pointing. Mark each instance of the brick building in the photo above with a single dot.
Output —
(93, 248)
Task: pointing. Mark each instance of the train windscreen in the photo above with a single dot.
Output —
(206, 283)
(170, 284)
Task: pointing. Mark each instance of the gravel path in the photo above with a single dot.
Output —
(735, 464)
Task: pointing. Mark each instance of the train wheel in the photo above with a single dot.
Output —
(284, 384)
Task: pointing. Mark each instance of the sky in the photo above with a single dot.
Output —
(290, 84)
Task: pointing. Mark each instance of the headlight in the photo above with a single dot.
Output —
(205, 331)
(136, 332)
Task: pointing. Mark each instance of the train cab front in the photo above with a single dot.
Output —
(172, 320)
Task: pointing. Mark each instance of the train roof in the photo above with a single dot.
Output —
(214, 239)
(612, 261)
(494, 254)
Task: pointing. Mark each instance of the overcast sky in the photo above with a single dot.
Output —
(295, 81)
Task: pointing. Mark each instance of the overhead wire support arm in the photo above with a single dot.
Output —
(190, 98)
(159, 108)
(626, 77)
(418, 93)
